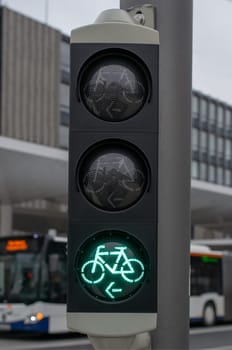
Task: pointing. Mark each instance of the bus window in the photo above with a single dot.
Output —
(22, 277)
(33, 273)
(205, 275)
(57, 277)
(7, 274)
(54, 274)
(44, 287)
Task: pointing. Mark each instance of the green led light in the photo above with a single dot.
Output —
(128, 266)
(110, 290)
(114, 268)
(90, 264)
(209, 259)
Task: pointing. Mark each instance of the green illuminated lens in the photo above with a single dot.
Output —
(114, 269)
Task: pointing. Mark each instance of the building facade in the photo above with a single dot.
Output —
(34, 107)
(34, 104)
(211, 140)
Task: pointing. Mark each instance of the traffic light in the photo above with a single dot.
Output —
(113, 177)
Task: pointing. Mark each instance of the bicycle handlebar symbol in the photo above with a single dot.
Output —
(131, 270)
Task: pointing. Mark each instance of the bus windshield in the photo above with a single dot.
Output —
(32, 269)
(19, 276)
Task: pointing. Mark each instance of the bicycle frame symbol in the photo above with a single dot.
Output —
(131, 270)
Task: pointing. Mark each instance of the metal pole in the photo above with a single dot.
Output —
(174, 23)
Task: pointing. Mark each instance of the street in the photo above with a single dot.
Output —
(18, 341)
(212, 338)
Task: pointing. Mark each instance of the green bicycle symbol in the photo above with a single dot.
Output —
(131, 270)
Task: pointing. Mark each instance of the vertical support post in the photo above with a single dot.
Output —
(6, 220)
(174, 23)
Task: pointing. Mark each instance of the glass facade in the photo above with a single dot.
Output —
(211, 140)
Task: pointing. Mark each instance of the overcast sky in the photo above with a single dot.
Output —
(212, 34)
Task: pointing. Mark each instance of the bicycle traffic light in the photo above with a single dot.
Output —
(113, 177)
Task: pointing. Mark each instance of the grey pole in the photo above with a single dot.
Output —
(174, 23)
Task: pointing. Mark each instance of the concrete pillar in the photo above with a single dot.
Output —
(6, 220)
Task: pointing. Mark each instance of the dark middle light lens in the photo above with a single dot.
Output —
(113, 177)
(114, 88)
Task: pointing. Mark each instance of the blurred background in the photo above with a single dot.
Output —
(34, 124)
(34, 114)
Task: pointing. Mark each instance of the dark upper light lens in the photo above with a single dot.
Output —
(114, 88)
(113, 177)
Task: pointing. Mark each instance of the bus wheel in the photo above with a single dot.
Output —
(209, 315)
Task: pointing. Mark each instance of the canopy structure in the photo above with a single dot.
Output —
(29, 171)
(211, 204)
(216, 244)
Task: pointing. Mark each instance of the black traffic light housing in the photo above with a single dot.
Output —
(113, 177)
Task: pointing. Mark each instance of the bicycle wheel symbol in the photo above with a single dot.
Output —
(137, 272)
(90, 276)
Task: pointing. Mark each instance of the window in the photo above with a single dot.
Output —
(203, 171)
(203, 111)
(203, 141)
(65, 54)
(228, 177)
(195, 169)
(228, 117)
(195, 106)
(220, 176)
(212, 173)
(220, 117)
(63, 137)
(64, 96)
(212, 113)
(21, 276)
(228, 145)
(195, 142)
(212, 144)
(54, 274)
(64, 118)
(65, 77)
(220, 146)
(206, 275)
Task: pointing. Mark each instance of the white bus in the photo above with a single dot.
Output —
(33, 282)
(211, 286)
